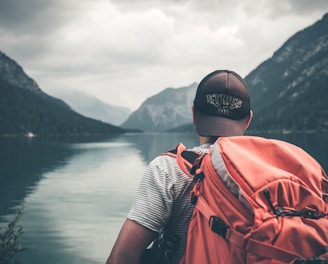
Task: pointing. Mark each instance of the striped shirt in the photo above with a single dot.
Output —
(163, 199)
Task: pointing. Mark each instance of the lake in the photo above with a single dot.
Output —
(76, 192)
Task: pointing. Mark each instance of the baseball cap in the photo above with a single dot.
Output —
(221, 104)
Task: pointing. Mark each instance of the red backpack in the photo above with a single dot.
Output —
(257, 201)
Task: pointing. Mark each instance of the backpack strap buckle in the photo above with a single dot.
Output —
(218, 226)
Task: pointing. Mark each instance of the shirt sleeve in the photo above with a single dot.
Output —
(154, 196)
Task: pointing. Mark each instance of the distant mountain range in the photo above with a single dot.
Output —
(288, 91)
(26, 110)
(91, 106)
(170, 108)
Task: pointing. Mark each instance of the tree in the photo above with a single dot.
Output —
(9, 238)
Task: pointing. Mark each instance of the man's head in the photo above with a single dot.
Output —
(222, 105)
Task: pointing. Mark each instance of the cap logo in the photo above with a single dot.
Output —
(224, 102)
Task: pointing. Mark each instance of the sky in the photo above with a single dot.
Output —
(124, 51)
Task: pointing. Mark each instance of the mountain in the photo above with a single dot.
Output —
(170, 108)
(289, 91)
(92, 107)
(26, 109)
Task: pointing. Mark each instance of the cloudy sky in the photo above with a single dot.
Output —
(123, 51)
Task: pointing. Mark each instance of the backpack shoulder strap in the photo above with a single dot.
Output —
(185, 158)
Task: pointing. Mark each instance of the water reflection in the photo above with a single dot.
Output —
(71, 190)
(22, 163)
(74, 204)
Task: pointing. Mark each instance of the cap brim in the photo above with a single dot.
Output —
(207, 125)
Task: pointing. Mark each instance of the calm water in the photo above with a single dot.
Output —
(76, 193)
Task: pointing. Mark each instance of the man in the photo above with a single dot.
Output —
(221, 108)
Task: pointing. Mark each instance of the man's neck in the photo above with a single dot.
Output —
(206, 140)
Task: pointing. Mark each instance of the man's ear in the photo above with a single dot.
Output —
(249, 119)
